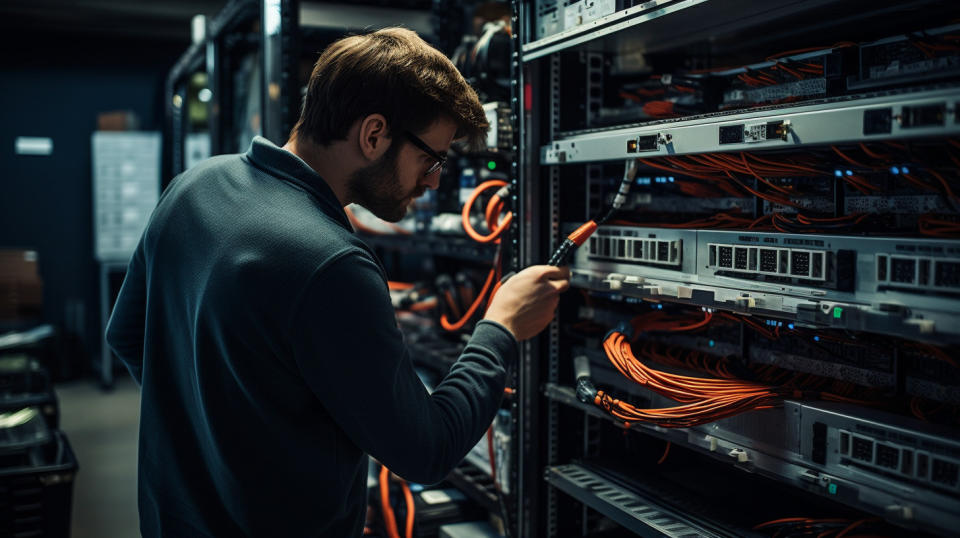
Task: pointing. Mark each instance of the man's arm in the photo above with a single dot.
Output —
(125, 330)
(346, 343)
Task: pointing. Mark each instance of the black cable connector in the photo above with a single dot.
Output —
(586, 392)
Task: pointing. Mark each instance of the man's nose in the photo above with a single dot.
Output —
(432, 181)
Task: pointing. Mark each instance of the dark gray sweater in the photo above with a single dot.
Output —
(261, 331)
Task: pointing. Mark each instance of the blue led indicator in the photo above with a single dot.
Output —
(838, 173)
(894, 170)
(816, 338)
(659, 307)
(779, 324)
(712, 343)
(790, 326)
(905, 170)
(670, 179)
(849, 172)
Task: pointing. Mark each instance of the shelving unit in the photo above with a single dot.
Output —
(580, 470)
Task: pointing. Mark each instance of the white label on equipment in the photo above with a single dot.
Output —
(437, 496)
(33, 145)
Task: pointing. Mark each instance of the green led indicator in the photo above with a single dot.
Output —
(832, 488)
(491, 165)
(837, 312)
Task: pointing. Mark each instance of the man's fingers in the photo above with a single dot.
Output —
(549, 272)
(560, 285)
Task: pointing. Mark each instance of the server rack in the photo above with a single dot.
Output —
(228, 35)
(580, 471)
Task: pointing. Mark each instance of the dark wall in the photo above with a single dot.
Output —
(46, 201)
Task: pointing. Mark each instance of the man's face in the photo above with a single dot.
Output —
(388, 186)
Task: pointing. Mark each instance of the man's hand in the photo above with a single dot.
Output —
(525, 303)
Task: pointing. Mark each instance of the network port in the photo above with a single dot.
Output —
(923, 274)
(731, 134)
(725, 257)
(799, 263)
(945, 472)
(903, 270)
(816, 268)
(647, 143)
(906, 462)
(877, 121)
(768, 260)
(923, 465)
(922, 116)
(740, 258)
(946, 274)
(887, 456)
(862, 449)
(663, 251)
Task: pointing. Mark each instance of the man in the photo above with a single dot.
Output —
(260, 327)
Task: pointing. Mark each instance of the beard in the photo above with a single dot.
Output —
(377, 188)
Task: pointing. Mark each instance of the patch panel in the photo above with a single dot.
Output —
(630, 246)
(861, 450)
(779, 262)
(830, 281)
(919, 273)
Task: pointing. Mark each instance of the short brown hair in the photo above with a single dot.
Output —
(391, 72)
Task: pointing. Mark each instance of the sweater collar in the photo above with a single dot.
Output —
(287, 166)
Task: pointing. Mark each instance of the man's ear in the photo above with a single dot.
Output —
(374, 136)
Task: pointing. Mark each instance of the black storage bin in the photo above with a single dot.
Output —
(37, 469)
(24, 382)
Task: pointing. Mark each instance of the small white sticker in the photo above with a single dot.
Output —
(33, 145)
(437, 496)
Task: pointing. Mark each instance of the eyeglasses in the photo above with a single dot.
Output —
(441, 159)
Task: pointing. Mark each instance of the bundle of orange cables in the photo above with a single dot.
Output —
(496, 226)
(704, 400)
(820, 527)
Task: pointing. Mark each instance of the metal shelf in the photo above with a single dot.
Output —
(660, 25)
(476, 485)
(837, 121)
(635, 511)
(459, 248)
(665, 23)
(811, 312)
(720, 442)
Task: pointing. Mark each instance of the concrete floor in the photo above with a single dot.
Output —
(102, 429)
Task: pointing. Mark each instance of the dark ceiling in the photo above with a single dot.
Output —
(166, 22)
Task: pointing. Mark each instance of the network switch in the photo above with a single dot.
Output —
(910, 287)
(895, 114)
(883, 463)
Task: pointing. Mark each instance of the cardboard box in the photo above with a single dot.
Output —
(118, 120)
(21, 289)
